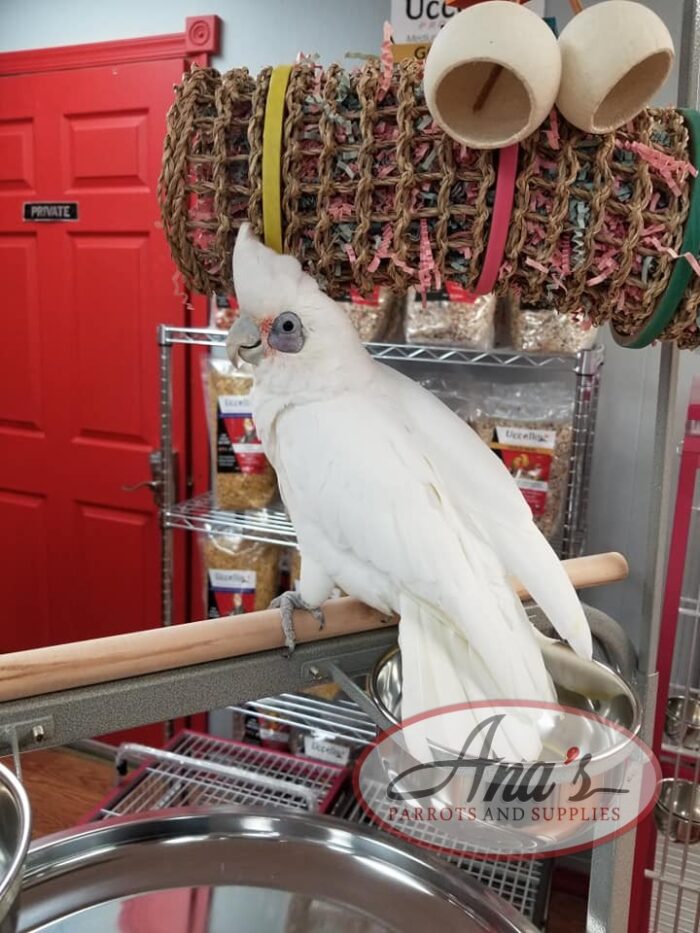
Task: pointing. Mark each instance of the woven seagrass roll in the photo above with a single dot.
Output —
(373, 193)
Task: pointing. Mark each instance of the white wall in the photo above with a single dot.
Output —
(261, 32)
(255, 32)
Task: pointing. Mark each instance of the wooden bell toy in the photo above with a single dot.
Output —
(615, 56)
(492, 74)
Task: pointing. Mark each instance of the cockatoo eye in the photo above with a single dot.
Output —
(286, 333)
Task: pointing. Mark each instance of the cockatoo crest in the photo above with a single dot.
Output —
(266, 282)
(297, 337)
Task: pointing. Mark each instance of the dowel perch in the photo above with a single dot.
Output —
(100, 660)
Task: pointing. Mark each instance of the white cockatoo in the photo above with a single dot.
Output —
(398, 502)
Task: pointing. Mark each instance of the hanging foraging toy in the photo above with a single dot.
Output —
(349, 172)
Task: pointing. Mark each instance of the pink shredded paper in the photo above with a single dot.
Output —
(382, 250)
(688, 256)
(553, 131)
(665, 165)
(387, 59)
(536, 265)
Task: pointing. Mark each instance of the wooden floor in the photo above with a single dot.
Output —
(64, 786)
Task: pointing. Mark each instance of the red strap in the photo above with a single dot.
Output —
(500, 222)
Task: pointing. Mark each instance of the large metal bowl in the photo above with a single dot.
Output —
(585, 685)
(256, 871)
(15, 833)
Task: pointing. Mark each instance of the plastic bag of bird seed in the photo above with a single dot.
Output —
(239, 576)
(372, 317)
(242, 477)
(544, 330)
(529, 427)
(451, 316)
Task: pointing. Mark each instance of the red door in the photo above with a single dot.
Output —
(79, 387)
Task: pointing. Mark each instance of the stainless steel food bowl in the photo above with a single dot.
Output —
(585, 685)
(279, 873)
(677, 811)
(682, 723)
(15, 833)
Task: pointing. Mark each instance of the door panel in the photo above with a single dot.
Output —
(24, 590)
(109, 539)
(110, 275)
(20, 348)
(17, 155)
(106, 150)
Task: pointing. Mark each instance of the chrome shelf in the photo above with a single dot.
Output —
(269, 526)
(585, 362)
(272, 526)
(198, 770)
(341, 718)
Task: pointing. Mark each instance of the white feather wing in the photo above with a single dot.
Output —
(488, 500)
(369, 504)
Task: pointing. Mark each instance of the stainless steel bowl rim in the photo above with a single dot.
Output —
(677, 715)
(670, 783)
(633, 730)
(53, 857)
(12, 872)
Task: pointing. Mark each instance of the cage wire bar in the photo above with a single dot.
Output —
(675, 906)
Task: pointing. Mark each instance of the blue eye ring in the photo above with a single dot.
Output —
(287, 334)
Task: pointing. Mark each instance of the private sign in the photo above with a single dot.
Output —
(50, 210)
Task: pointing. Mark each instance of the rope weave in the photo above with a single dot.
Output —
(368, 180)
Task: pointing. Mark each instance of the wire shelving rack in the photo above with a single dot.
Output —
(273, 526)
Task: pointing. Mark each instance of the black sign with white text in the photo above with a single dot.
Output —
(50, 210)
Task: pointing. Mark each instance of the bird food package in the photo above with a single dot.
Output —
(371, 316)
(239, 576)
(242, 477)
(529, 427)
(452, 316)
(544, 330)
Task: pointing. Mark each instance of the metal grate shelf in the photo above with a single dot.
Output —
(270, 526)
(585, 362)
(524, 882)
(233, 773)
(678, 907)
(338, 719)
(199, 770)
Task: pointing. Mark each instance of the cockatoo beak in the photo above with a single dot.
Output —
(244, 341)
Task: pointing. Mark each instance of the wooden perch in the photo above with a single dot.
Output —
(100, 660)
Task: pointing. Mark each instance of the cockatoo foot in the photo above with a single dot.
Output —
(287, 603)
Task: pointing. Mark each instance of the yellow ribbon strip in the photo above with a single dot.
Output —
(272, 157)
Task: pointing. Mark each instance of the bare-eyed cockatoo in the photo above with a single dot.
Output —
(397, 501)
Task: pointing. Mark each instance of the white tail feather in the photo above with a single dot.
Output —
(441, 669)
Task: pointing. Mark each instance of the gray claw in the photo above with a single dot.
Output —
(287, 603)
